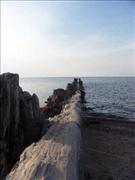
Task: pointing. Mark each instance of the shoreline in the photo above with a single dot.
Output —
(108, 148)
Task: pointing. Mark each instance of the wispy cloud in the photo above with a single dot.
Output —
(34, 45)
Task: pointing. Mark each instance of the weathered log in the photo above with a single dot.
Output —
(55, 156)
(21, 123)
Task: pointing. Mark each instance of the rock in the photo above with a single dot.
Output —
(82, 91)
(20, 123)
(30, 117)
(9, 121)
(55, 103)
(60, 97)
(71, 89)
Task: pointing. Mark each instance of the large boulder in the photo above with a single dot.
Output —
(55, 102)
(10, 134)
(60, 97)
(20, 123)
(30, 117)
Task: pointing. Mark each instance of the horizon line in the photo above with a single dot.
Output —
(71, 76)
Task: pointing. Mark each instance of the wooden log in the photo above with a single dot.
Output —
(55, 156)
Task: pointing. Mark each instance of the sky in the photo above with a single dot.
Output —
(68, 38)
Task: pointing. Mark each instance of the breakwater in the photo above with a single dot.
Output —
(23, 122)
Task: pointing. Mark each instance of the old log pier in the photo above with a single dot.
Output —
(39, 143)
(64, 140)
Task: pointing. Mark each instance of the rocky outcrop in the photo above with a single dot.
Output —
(55, 156)
(20, 123)
(55, 103)
(60, 97)
(30, 117)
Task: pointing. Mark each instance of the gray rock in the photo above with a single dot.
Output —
(60, 97)
(20, 123)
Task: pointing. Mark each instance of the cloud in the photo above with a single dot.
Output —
(33, 45)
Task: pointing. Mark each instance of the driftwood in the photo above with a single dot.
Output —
(55, 156)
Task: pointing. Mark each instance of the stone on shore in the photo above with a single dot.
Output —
(60, 97)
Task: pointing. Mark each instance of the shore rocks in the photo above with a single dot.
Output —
(60, 97)
(30, 117)
(20, 123)
(9, 120)
(55, 103)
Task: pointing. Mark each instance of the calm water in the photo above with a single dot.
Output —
(104, 94)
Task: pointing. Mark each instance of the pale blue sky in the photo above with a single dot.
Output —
(69, 38)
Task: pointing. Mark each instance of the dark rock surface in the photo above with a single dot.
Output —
(55, 102)
(60, 97)
(20, 122)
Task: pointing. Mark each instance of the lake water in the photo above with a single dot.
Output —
(110, 95)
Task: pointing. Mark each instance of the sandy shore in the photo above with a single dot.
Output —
(108, 148)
